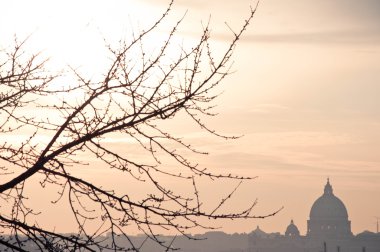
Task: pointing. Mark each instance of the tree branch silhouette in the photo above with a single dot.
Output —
(133, 97)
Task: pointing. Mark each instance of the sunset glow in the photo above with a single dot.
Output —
(304, 95)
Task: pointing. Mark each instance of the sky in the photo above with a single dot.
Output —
(304, 95)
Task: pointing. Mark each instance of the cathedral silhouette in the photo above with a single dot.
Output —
(328, 229)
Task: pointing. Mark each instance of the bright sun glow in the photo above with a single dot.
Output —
(75, 32)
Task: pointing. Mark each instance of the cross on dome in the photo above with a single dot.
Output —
(328, 188)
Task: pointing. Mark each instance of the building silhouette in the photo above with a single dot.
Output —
(292, 230)
(328, 229)
(328, 217)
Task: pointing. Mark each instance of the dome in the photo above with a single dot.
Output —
(292, 230)
(258, 232)
(328, 216)
(328, 206)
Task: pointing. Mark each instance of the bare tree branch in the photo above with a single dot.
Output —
(132, 99)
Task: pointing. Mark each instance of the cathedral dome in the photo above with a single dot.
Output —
(258, 232)
(292, 230)
(328, 216)
(328, 206)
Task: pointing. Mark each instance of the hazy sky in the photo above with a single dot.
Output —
(305, 95)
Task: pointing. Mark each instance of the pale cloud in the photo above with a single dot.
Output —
(300, 138)
(265, 108)
(316, 37)
(291, 21)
